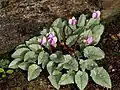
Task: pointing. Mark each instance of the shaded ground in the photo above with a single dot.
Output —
(111, 45)
(18, 81)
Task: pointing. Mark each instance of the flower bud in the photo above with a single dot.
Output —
(43, 40)
(52, 40)
(88, 41)
(72, 21)
(96, 15)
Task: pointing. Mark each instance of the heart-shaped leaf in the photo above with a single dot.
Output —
(98, 30)
(67, 58)
(55, 78)
(92, 22)
(71, 63)
(51, 67)
(94, 53)
(45, 60)
(33, 71)
(14, 63)
(19, 53)
(86, 33)
(81, 79)
(101, 77)
(57, 57)
(30, 55)
(66, 79)
(88, 64)
(24, 65)
(44, 32)
(57, 23)
(53, 81)
(78, 31)
(33, 40)
(68, 31)
(60, 66)
(57, 74)
(81, 20)
(71, 40)
(20, 46)
(40, 57)
(58, 33)
(35, 47)
(96, 39)
(73, 27)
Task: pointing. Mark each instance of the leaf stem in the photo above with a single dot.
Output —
(77, 39)
(70, 28)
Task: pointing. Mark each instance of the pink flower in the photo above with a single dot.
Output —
(52, 40)
(72, 21)
(50, 35)
(96, 14)
(88, 41)
(43, 40)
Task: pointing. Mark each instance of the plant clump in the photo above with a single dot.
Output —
(67, 50)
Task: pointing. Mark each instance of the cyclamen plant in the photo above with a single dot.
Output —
(68, 52)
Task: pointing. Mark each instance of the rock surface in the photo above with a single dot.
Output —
(21, 19)
(110, 8)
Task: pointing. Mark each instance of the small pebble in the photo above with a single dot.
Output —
(113, 70)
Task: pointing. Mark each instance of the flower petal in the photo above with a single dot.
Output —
(98, 14)
(50, 35)
(70, 21)
(43, 40)
(74, 22)
(94, 15)
(55, 39)
(73, 18)
(89, 40)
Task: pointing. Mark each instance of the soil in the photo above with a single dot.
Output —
(18, 81)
